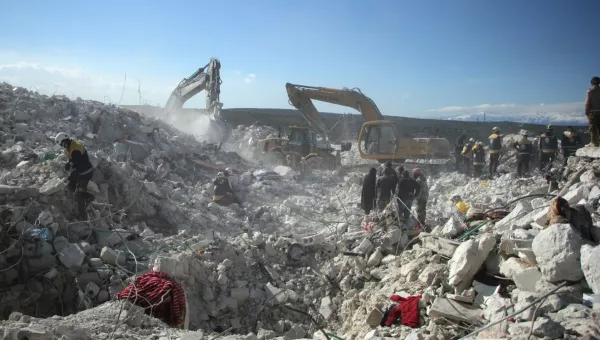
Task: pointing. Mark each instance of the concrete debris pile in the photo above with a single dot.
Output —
(298, 260)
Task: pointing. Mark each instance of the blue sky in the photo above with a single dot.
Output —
(413, 58)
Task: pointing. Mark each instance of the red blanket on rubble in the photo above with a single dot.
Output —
(407, 309)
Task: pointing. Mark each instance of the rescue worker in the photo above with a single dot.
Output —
(548, 145)
(524, 150)
(495, 148)
(399, 171)
(406, 190)
(81, 174)
(223, 193)
(461, 206)
(422, 197)
(569, 143)
(467, 154)
(385, 185)
(478, 159)
(367, 196)
(592, 111)
(458, 147)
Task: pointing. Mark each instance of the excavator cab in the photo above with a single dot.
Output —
(378, 139)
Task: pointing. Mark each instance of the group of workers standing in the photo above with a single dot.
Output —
(379, 188)
(470, 157)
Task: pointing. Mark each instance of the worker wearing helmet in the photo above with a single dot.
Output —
(495, 149)
(458, 147)
(524, 150)
(422, 197)
(467, 153)
(592, 111)
(548, 146)
(222, 192)
(478, 159)
(82, 170)
(569, 143)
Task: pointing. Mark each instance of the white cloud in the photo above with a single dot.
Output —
(51, 77)
(251, 77)
(512, 108)
(556, 113)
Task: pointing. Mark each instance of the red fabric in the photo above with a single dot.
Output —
(407, 309)
(148, 291)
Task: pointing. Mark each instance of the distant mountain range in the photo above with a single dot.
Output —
(574, 119)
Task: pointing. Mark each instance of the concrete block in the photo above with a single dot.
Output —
(72, 256)
(454, 310)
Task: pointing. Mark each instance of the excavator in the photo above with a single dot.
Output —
(379, 139)
(205, 78)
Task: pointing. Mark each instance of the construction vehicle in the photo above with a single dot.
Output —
(379, 139)
(205, 78)
(300, 150)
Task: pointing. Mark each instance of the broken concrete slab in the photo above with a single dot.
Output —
(53, 186)
(467, 259)
(441, 246)
(527, 279)
(557, 251)
(590, 266)
(72, 256)
(454, 310)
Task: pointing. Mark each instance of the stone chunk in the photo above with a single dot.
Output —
(113, 257)
(557, 251)
(53, 186)
(240, 294)
(467, 259)
(72, 256)
(326, 308)
(590, 265)
(454, 310)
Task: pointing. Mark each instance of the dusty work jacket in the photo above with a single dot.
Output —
(78, 158)
(570, 143)
(478, 155)
(548, 143)
(592, 100)
(221, 189)
(468, 150)
(495, 143)
(524, 146)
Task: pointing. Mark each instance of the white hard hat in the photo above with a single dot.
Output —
(60, 137)
(229, 170)
(472, 140)
(495, 129)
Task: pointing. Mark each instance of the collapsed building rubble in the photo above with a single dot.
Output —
(300, 260)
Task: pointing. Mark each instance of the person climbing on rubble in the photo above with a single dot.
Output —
(495, 149)
(367, 196)
(385, 185)
(592, 111)
(478, 159)
(81, 174)
(467, 153)
(406, 190)
(548, 146)
(458, 147)
(461, 206)
(223, 193)
(524, 149)
(422, 197)
(569, 143)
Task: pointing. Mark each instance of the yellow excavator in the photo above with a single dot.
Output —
(299, 149)
(207, 78)
(378, 139)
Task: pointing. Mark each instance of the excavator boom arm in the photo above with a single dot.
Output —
(301, 97)
(206, 78)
